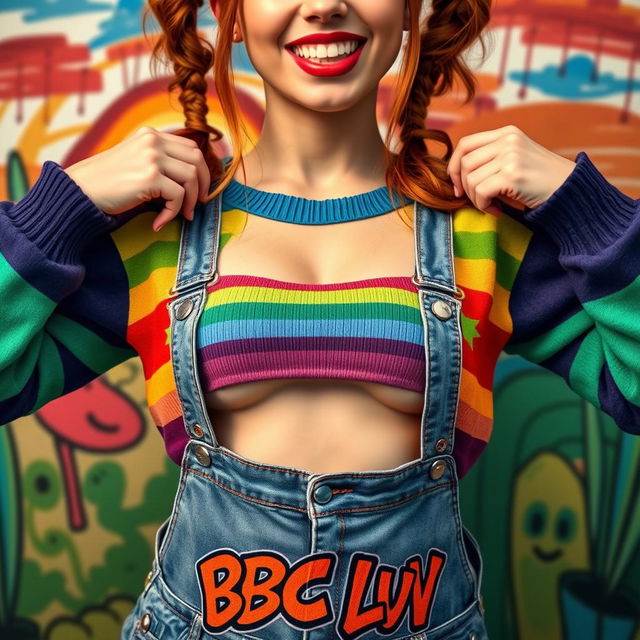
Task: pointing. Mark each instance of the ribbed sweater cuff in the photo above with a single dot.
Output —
(586, 214)
(58, 217)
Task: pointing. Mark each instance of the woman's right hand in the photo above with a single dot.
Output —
(150, 164)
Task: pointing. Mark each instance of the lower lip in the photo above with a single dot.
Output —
(337, 68)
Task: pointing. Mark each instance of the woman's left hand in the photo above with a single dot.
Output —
(506, 164)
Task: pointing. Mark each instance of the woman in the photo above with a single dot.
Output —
(309, 378)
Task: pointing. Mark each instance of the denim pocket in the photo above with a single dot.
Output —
(469, 625)
(474, 557)
(161, 616)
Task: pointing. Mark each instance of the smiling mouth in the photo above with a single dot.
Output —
(300, 53)
(546, 556)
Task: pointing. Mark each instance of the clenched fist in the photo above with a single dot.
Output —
(148, 165)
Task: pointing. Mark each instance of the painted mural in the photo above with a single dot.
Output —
(84, 482)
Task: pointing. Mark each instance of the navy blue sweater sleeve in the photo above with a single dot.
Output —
(65, 294)
(575, 300)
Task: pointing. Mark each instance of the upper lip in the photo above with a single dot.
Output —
(326, 38)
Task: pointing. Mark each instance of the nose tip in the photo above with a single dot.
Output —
(324, 10)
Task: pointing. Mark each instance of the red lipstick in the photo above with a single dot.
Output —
(336, 68)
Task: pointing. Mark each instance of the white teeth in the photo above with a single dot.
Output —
(326, 51)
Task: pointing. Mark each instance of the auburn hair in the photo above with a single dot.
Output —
(432, 60)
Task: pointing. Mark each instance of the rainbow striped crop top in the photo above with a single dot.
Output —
(257, 328)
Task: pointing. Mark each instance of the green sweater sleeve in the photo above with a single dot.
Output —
(575, 301)
(65, 294)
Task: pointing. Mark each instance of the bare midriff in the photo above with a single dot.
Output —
(321, 426)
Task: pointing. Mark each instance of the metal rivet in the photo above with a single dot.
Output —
(437, 469)
(441, 445)
(202, 455)
(473, 636)
(323, 494)
(145, 622)
(198, 430)
(147, 580)
(184, 309)
(441, 309)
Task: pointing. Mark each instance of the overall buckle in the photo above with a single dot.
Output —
(459, 293)
(173, 291)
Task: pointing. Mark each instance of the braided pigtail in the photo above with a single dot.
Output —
(192, 58)
(431, 63)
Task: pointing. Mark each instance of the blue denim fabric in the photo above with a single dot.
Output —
(269, 552)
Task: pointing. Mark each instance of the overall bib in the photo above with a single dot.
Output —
(267, 552)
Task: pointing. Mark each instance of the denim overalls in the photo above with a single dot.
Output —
(269, 552)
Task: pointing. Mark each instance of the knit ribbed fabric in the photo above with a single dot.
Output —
(287, 208)
(255, 328)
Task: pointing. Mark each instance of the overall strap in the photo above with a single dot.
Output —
(197, 262)
(440, 305)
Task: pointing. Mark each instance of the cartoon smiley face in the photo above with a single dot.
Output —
(548, 536)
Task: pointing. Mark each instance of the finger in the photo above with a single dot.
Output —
(472, 167)
(187, 150)
(163, 135)
(471, 142)
(488, 192)
(173, 194)
(185, 174)
(143, 130)
(172, 137)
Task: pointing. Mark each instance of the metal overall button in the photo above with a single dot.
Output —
(202, 455)
(441, 309)
(437, 469)
(322, 494)
(441, 445)
(145, 622)
(473, 636)
(198, 430)
(184, 309)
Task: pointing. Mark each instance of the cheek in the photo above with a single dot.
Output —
(262, 39)
(388, 47)
(265, 22)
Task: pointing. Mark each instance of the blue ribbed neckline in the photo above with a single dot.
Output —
(288, 208)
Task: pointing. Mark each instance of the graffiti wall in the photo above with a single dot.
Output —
(84, 482)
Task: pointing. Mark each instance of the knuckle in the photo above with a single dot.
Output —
(513, 172)
(513, 138)
(512, 158)
(152, 173)
(145, 128)
(151, 156)
(150, 139)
